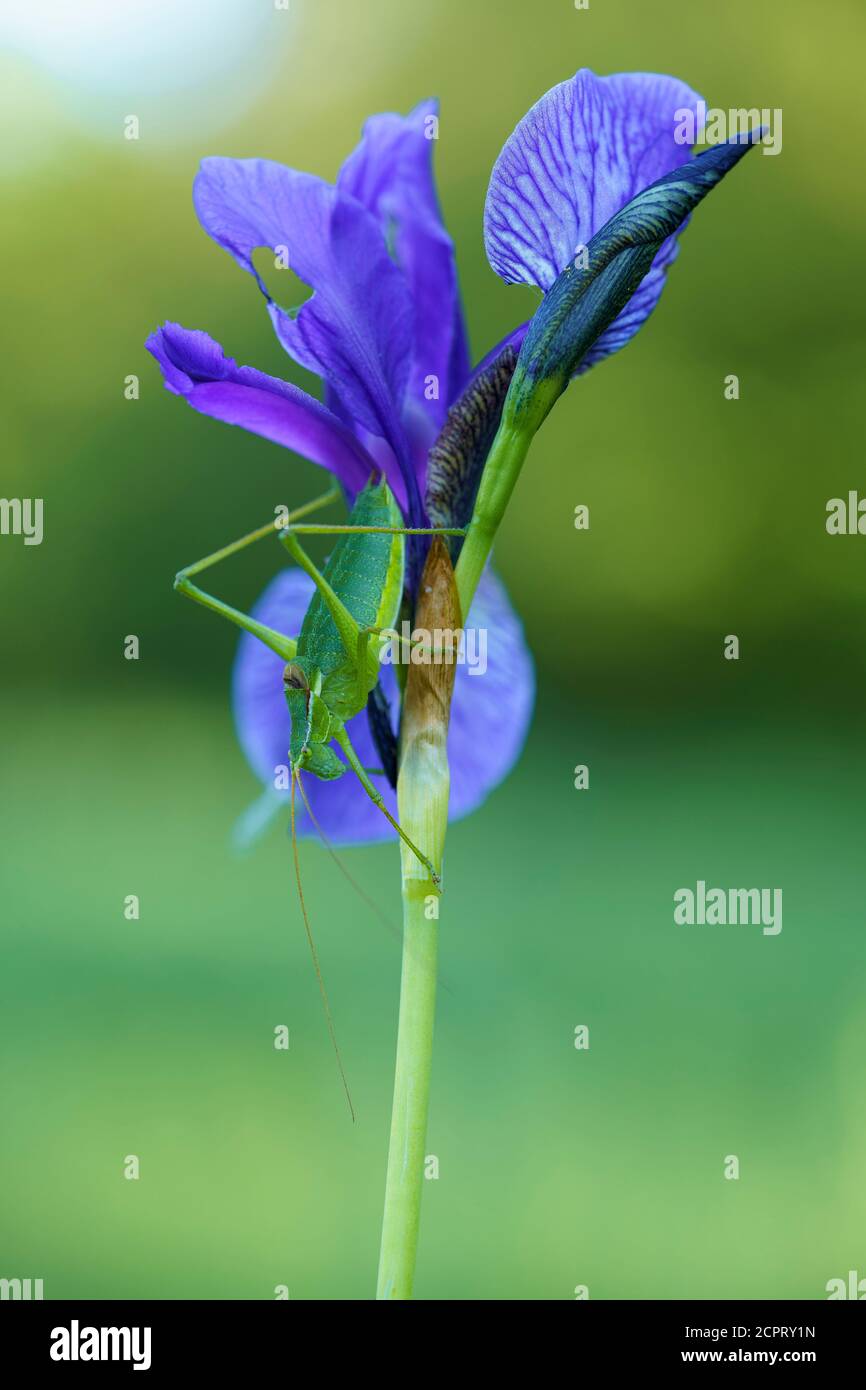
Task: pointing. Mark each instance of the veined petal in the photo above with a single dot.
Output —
(586, 301)
(586, 148)
(391, 173)
(194, 366)
(489, 718)
(356, 329)
(582, 151)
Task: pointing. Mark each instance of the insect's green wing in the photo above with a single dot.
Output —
(366, 573)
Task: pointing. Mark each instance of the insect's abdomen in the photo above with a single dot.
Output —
(366, 572)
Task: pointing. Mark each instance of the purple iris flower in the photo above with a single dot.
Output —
(384, 330)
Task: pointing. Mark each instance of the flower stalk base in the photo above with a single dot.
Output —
(422, 794)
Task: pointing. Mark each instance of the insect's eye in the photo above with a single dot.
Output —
(294, 678)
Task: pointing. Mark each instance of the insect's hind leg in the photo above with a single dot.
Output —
(355, 638)
(284, 646)
(277, 641)
(377, 530)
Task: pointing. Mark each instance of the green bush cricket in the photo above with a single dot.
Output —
(332, 667)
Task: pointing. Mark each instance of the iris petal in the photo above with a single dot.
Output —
(356, 329)
(391, 173)
(194, 366)
(587, 147)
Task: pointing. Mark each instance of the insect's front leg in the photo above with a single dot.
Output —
(435, 652)
(362, 650)
(355, 764)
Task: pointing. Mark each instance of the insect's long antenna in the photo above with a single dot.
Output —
(374, 907)
(317, 967)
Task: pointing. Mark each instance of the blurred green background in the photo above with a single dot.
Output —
(154, 1038)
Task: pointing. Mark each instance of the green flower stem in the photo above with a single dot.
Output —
(422, 796)
(500, 475)
(411, 1087)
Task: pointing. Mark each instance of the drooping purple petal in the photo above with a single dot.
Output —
(356, 328)
(587, 147)
(491, 712)
(391, 173)
(489, 718)
(194, 366)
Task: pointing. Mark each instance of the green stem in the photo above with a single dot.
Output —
(422, 797)
(406, 1152)
(422, 800)
(498, 480)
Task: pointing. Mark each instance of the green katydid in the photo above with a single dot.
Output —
(333, 665)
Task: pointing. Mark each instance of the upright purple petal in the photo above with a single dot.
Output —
(195, 367)
(391, 173)
(489, 718)
(356, 329)
(587, 147)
